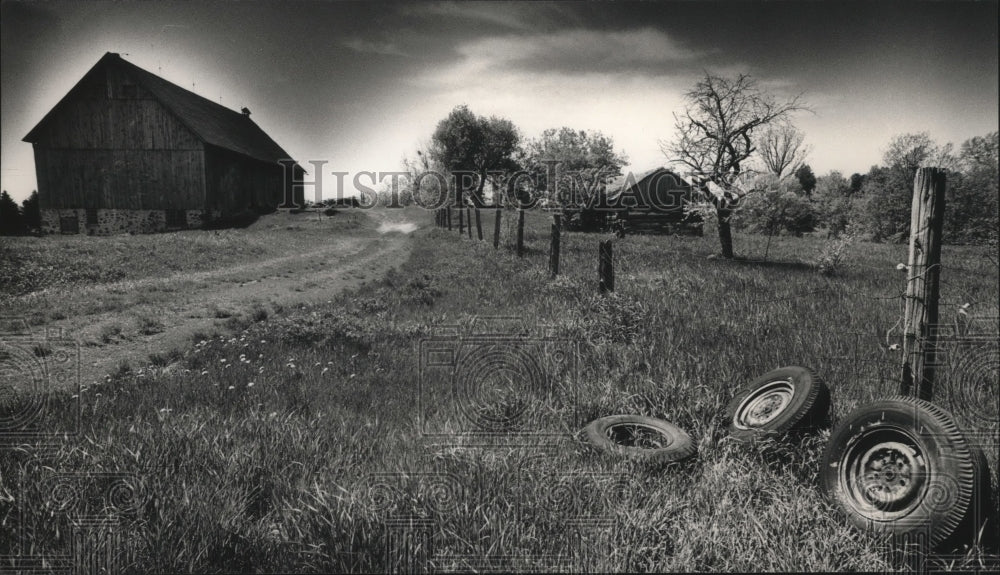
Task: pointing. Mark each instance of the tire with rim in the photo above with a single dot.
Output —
(901, 466)
(642, 438)
(787, 399)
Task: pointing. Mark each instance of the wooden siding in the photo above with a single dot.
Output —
(237, 183)
(111, 145)
(120, 179)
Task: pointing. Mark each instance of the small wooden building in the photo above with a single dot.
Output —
(648, 203)
(127, 151)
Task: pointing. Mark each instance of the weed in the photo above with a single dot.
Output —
(110, 333)
(149, 325)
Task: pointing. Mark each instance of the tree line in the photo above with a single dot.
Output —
(737, 144)
(19, 220)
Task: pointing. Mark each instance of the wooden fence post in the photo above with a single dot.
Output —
(496, 228)
(520, 232)
(923, 274)
(468, 218)
(554, 246)
(448, 217)
(461, 221)
(605, 268)
(479, 225)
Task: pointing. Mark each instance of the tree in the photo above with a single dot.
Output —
(582, 162)
(465, 142)
(31, 215)
(888, 189)
(782, 150)
(715, 138)
(857, 180)
(10, 217)
(832, 202)
(777, 209)
(972, 200)
(884, 210)
(911, 151)
(807, 179)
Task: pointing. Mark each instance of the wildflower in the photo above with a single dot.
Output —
(325, 369)
(963, 309)
(223, 360)
(250, 384)
(204, 372)
(902, 267)
(231, 387)
(894, 347)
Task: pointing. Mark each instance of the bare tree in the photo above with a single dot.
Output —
(782, 149)
(715, 138)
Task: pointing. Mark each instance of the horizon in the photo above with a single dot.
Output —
(362, 86)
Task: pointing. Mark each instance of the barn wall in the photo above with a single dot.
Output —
(114, 221)
(110, 145)
(236, 184)
(119, 179)
(655, 205)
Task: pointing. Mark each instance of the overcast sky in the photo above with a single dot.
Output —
(362, 85)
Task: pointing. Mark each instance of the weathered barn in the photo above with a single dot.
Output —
(127, 151)
(650, 202)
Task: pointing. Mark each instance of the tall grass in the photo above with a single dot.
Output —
(296, 444)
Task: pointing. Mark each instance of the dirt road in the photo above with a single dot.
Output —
(202, 301)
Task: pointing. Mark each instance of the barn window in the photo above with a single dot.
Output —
(129, 91)
(69, 224)
(91, 217)
(176, 219)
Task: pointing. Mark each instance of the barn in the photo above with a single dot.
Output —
(127, 151)
(651, 202)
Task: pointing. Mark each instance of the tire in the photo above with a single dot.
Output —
(901, 466)
(788, 399)
(612, 434)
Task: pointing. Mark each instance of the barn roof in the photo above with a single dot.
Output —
(213, 123)
(618, 185)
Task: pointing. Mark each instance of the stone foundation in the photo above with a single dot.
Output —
(109, 222)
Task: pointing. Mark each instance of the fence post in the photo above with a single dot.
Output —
(554, 246)
(479, 224)
(923, 274)
(605, 267)
(461, 221)
(448, 217)
(496, 227)
(468, 218)
(520, 232)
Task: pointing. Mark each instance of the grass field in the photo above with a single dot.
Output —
(311, 440)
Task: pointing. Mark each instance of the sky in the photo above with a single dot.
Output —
(363, 85)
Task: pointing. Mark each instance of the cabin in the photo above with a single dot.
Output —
(648, 203)
(126, 151)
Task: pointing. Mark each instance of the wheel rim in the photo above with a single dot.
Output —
(885, 474)
(764, 404)
(638, 436)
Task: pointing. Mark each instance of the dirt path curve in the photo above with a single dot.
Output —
(202, 301)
